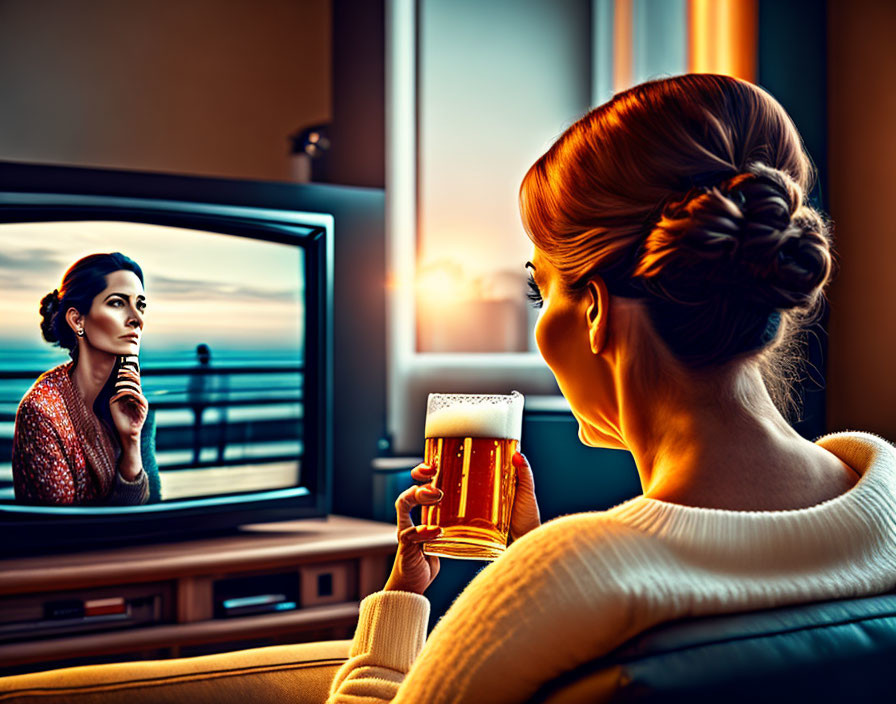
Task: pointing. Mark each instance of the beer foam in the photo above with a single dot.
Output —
(476, 420)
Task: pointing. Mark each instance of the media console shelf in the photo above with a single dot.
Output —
(270, 583)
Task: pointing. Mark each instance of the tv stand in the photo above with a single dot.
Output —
(270, 583)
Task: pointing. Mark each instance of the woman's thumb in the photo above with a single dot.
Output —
(524, 471)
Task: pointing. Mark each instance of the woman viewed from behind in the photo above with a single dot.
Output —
(676, 262)
(692, 221)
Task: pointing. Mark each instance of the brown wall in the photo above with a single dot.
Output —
(862, 175)
(210, 87)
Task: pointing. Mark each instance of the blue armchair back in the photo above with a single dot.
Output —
(836, 651)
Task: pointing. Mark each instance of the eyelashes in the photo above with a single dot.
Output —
(140, 306)
(534, 293)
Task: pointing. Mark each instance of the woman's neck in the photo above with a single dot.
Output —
(727, 446)
(91, 373)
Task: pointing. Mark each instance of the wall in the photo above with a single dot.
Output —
(357, 156)
(792, 66)
(862, 151)
(200, 87)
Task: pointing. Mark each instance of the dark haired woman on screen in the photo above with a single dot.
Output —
(79, 431)
(675, 262)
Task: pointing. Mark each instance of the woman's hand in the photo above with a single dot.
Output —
(524, 516)
(413, 571)
(128, 405)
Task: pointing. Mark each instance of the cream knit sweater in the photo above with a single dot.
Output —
(581, 585)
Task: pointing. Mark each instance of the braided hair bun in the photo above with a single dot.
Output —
(723, 262)
(49, 312)
(749, 239)
(688, 194)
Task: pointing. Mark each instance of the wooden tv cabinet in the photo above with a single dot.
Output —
(191, 597)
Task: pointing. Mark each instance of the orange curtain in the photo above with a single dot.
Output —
(723, 37)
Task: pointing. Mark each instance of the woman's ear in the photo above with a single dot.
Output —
(598, 313)
(73, 318)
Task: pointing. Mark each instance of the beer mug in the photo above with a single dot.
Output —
(470, 441)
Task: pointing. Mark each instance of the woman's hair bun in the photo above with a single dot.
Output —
(750, 236)
(49, 311)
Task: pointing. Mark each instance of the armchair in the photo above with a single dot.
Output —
(831, 651)
(834, 651)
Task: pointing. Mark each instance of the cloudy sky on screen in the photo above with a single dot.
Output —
(224, 290)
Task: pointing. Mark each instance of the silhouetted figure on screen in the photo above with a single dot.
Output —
(201, 389)
(197, 397)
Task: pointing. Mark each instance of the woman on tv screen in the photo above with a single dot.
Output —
(78, 435)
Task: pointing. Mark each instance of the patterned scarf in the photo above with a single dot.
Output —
(98, 448)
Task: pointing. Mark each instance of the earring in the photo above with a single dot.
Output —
(81, 332)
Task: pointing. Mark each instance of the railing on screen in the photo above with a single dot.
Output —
(218, 430)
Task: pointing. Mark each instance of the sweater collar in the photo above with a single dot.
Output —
(863, 513)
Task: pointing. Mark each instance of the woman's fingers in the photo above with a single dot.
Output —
(128, 374)
(122, 394)
(128, 405)
(423, 472)
(128, 387)
(413, 570)
(414, 496)
(132, 395)
(127, 381)
(130, 361)
(418, 534)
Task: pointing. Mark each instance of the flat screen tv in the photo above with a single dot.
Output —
(235, 358)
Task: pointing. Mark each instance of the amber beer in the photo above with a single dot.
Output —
(470, 440)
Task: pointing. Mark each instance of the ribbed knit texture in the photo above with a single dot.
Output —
(95, 442)
(583, 584)
(391, 631)
(62, 455)
(130, 493)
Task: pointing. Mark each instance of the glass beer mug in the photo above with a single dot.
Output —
(470, 441)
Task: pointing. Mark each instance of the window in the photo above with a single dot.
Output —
(476, 92)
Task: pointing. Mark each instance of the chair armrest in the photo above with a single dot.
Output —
(298, 673)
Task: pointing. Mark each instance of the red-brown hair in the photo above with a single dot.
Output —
(690, 193)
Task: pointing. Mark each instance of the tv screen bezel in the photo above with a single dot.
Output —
(27, 527)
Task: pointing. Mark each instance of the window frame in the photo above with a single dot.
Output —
(628, 46)
(410, 374)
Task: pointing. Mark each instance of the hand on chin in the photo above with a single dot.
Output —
(128, 405)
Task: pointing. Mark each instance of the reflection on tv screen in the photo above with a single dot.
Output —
(182, 383)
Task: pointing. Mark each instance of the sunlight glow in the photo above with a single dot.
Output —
(440, 284)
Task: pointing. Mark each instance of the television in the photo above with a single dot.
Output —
(236, 360)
